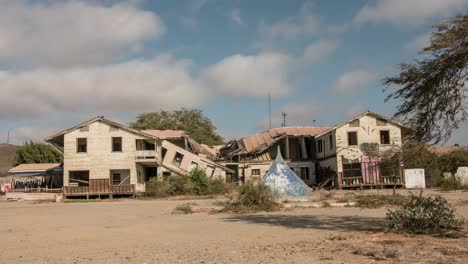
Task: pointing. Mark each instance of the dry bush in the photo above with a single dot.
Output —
(424, 215)
(183, 209)
(253, 198)
(379, 200)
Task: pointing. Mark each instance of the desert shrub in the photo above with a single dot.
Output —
(253, 198)
(216, 186)
(451, 184)
(158, 188)
(451, 161)
(199, 181)
(379, 200)
(180, 185)
(183, 209)
(424, 215)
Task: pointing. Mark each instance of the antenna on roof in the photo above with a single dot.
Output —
(284, 119)
(269, 107)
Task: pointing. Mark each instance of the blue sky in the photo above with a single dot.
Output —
(63, 62)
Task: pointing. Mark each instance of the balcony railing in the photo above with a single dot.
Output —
(146, 155)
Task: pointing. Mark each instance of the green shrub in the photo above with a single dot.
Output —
(253, 198)
(451, 184)
(379, 200)
(199, 181)
(424, 215)
(158, 188)
(180, 185)
(451, 161)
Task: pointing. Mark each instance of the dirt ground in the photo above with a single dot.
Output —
(147, 231)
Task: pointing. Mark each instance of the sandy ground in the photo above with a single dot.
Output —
(135, 231)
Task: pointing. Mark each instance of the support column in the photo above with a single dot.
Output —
(286, 151)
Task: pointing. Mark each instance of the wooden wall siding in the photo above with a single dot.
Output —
(99, 186)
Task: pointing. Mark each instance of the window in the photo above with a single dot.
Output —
(352, 139)
(305, 173)
(81, 145)
(354, 123)
(120, 177)
(352, 170)
(381, 122)
(78, 178)
(193, 165)
(177, 159)
(255, 172)
(330, 137)
(209, 171)
(163, 154)
(319, 146)
(116, 144)
(385, 137)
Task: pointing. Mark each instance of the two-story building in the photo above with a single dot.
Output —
(105, 158)
(321, 155)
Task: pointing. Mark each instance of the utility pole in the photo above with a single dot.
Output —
(8, 137)
(284, 119)
(269, 108)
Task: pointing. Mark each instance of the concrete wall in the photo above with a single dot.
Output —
(99, 158)
(414, 178)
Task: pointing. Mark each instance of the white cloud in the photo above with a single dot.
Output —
(304, 23)
(319, 50)
(235, 17)
(353, 80)
(254, 75)
(419, 42)
(23, 134)
(408, 12)
(138, 85)
(73, 32)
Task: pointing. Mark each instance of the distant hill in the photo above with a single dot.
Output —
(449, 149)
(7, 154)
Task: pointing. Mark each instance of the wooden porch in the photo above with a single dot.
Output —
(98, 188)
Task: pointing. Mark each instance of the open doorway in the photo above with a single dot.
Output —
(150, 172)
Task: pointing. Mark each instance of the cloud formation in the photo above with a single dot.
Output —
(351, 81)
(136, 85)
(235, 17)
(73, 32)
(319, 50)
(250, 75)
(404, 12)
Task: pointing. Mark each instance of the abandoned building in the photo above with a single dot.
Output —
(105, 158)
(336, 156)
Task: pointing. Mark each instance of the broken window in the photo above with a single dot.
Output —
(78, 178)
(193, 166)
(81, 145)
(120, 177)
(163, 152)
(116, 144)
(354, 123)
(255, 172)
(305, 173)
(352, 170)
(330, 138)
(352, 139)
(209, 171)
(385, 137)
(177, 159)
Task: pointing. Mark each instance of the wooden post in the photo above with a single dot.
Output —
(286, 143)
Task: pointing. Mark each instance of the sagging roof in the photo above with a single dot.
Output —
(34, 167)
(165, 134)
(100, 119)
(388, 119)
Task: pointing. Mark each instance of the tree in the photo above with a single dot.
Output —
(192, 121)
(433, 90)
(32, 152)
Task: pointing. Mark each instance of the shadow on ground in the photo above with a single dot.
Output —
(336, 223)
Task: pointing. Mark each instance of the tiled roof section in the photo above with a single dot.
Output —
(165, 134)
(269, 137)
(34, 167)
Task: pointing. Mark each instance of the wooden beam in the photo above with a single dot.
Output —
(286, 151)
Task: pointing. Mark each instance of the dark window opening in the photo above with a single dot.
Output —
(319, 146)
(385, 137)
(330, 137)
(177, 159)
(117, 144)
(163, 152)
(305, 173)
(352, 139)
(255, 172)
(81, 145)
(78, 178)
(352, 170)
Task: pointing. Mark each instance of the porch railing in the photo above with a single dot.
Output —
(145, 154)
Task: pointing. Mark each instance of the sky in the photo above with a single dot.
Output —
(322, 62)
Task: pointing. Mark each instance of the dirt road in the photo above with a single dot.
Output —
(133, 231)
